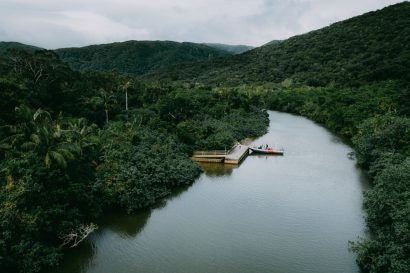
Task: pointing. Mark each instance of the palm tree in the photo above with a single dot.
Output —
(37, 132)
(51, 144)
(80, 133)
(18, 134)
(104, 98)
(124, 88)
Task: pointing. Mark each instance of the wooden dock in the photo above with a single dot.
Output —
(234, 156)
(237, 154)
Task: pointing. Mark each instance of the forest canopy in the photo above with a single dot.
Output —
(73, 142)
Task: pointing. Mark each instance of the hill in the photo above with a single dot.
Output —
(371, 47)
(64, 135)
(273, 42)
(137, 57)
(9, 45)
(233, 49)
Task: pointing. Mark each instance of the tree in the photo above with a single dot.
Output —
(106, 99)
(124, 87)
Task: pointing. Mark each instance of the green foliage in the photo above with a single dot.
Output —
(233, 49)
(39, 80)
(375, 119)
(46, 180)
(388, 207)
(137, 57)
(381, 135)
(369, 48)
(57, 174)
(141, 166)
(83, 150)
(4, 46)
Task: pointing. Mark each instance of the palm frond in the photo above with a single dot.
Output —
(58, 158)
(47, 160)
(5, 147)
(36, 139)
(41, 113)
(28, 146)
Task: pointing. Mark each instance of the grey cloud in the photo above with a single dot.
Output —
(64, 23)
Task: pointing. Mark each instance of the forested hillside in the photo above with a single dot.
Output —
(72, 146)
(375, 119)
(137, 57)
(371, 47)
(4, 46)
(353, 78)
(233, 49)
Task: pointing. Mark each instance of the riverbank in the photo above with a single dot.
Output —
(375, 120)
(73, 149)
(289, 213)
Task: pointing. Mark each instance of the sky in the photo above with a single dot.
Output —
(71, 23)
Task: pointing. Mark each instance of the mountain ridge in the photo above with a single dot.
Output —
(342, 51)
(6, 45)
(234, 49)
(136, 57)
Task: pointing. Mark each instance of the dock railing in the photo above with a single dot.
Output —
(215, 152)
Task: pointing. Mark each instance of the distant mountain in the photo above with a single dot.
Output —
(273, 42)
(371, 47)
(233, 49)
(9, 45)
(137, 57)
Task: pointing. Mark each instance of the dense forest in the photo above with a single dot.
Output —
(4, 46)
(353, 78)
(233, 49)
(72, 142)
(375, 119)
(139, 57)
(371, 47)
(136, 57)
(73, 145)
(369, 107)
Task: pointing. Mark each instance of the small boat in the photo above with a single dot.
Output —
(268, 150)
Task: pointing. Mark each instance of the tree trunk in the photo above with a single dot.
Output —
(126, 100)
(106, 116)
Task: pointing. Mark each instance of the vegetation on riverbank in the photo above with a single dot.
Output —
(353, 78)
(375, 118)
(69, 148)
(72, 148)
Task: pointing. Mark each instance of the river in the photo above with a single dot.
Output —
(281, 214)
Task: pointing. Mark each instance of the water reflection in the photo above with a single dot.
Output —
(264, 156)
(122, 224)
(175, 194)
(82, 255)
(217, 169)
(125, 225)
(287, 214)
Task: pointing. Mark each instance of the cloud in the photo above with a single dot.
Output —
(63, 23)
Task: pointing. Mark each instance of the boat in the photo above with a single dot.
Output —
(268, 150)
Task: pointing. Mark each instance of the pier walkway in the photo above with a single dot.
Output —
(234, 156)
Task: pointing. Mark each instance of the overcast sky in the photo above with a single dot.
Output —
(67, 23)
